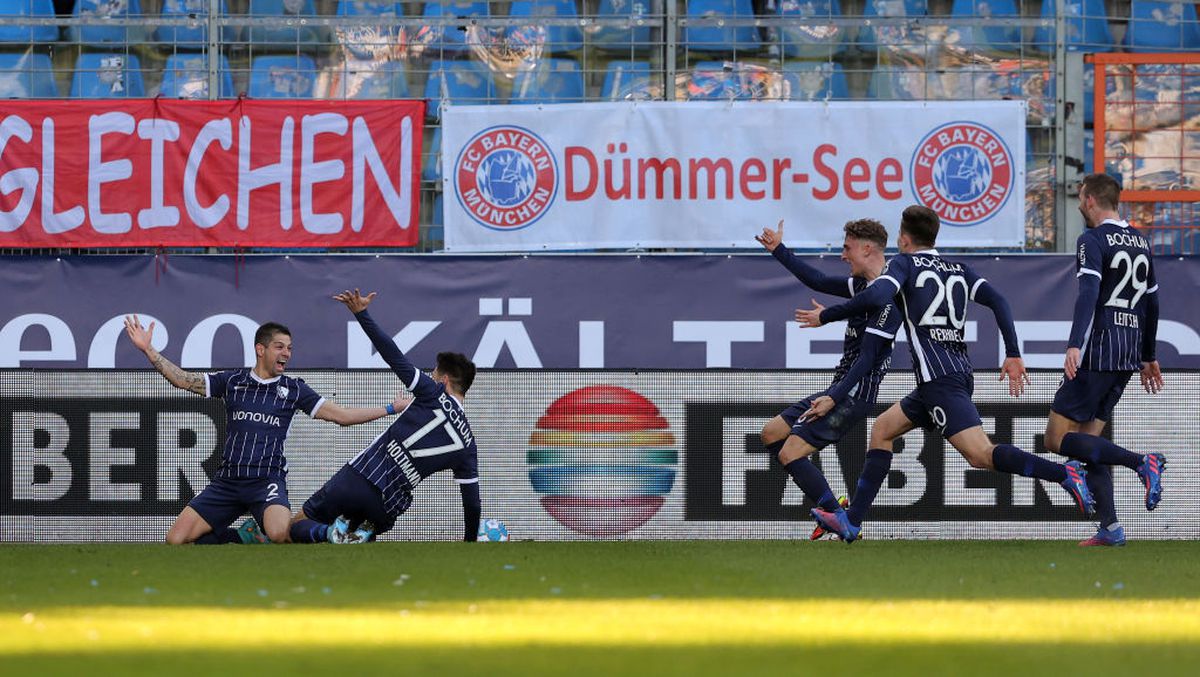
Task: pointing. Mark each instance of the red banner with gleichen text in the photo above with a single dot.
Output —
(165, 172)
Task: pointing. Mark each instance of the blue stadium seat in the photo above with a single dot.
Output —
(815, 81)
(185, 76)
(370, 80)
(1162, 26)
(28, 34)
(720, 38)
(811, 40)
(634, 39)
(190, 37)
(431, 166)
(627, 81)
(976, 37)
(26, 75)
(1087, 27)
(459, 82)
(106, 8)
(436, 232)
(549, 81)
(558, 39)
(451, 39)
(870, 37)
(281, 77)
(306, 37)
(107, 76)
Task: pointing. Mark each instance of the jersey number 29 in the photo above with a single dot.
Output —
(1137, 272)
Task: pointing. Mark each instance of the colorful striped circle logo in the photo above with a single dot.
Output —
(603, 459)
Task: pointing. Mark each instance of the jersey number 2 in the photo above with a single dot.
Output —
(439, 417)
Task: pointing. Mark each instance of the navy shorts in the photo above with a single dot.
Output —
(1091, 395)
(944, 403)
(225, 499)
(349, 493)
(829, 428)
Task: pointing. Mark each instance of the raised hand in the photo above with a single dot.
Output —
(771, 238)
(355, 301)
(810, 318)
(139, 335)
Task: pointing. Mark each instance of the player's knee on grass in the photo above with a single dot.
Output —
(280, 534)
(177, 537)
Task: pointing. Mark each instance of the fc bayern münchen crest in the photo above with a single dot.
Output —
(506, 178)
(964, 172)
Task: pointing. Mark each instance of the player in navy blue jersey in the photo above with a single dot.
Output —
(1112, 335)
(430, 435)
(932, 294)
(259, 405)
(825, 417)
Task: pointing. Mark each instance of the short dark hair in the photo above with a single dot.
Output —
(922, 224)
(1104, 189)
(267, 331)
(867, 229)
(460, 370)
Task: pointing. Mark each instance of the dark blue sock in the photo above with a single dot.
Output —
(874, 473)
(1098, 450)
(1100, 482)
(810, 480)
(309, 531)
(219, 537)
(1009, 459)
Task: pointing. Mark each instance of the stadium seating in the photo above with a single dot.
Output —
(813, 40)
(626, 81)
(107, 76)
(1087, 27)
(977, 37)
(632, 39)
(431, 166)
(451, 39)
(720, 38)
(26, 75)
(871, 37)
(105, 8)
(28, 34)
(189, 37)
(281, 77)
(558, 39)
(436, 232)
(1162, 26)
(369, 80)
(185, 76)
(549, 81)
(904, 83)
(303, 37)
(815, 81)
(369, 42)
(460, 82)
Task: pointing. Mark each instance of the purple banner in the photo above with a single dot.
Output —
(558, 312)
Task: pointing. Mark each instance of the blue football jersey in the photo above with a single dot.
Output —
(1120, 257)
(258, 415)
(932, 294)
(431, 434)
(884, 323)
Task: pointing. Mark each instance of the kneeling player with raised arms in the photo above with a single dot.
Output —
(430, 435)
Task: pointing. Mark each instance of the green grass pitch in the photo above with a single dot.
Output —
(603, 608)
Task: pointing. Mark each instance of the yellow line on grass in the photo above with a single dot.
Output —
(665, 622)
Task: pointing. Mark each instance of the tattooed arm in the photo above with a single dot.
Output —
(184, 380)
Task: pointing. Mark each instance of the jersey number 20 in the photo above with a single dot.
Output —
(944, 294)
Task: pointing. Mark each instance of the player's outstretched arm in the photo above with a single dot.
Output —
(814, 279)
(347, 416)
(384, 345)
(472, 509)
(141, 337)
(875, 296)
